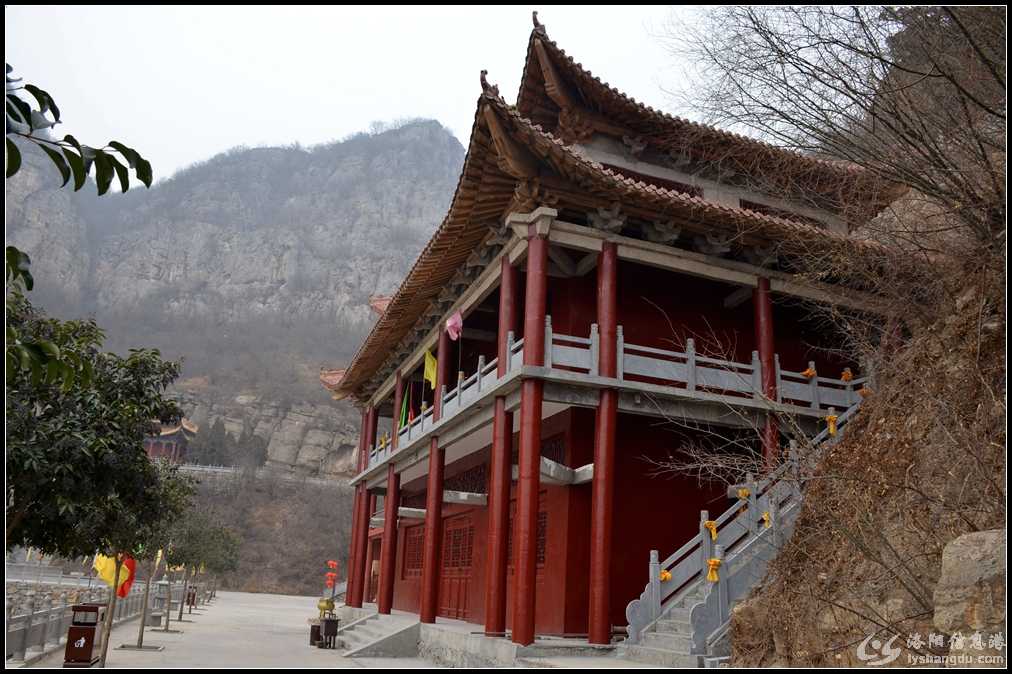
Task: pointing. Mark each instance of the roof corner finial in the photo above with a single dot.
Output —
(488, 89)
(538, 26)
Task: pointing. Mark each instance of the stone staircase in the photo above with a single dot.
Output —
(682, 618)
(668, 642)
(380, 636)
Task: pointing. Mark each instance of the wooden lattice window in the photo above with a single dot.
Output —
(472, 480)
(553, 448)
(458, 545)
(414, 544)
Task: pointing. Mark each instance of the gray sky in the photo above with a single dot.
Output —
(181, 84)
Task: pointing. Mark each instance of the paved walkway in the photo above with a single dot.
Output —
(237, 629)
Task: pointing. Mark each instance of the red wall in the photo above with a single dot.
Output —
(661, 309)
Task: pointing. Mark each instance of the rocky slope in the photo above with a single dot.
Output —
(255, 267)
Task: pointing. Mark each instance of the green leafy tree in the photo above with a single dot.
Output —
(200, 540)
(32, 113)
(175, 494)
(78, 478)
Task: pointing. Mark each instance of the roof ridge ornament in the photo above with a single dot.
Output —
(491, 90)
(538, 26)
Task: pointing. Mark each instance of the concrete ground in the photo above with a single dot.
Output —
(237, 629)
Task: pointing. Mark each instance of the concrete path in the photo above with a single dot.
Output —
(237, 629)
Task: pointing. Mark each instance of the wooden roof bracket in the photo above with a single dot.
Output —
(514, 159)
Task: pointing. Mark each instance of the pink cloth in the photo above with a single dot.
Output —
(455, 325)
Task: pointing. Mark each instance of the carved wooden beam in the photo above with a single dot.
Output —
(661, 232)
(555, 86)
(564, 262)
(738, 297)
(713, 244)
(586, 264)
(513, 158)
(609, 219)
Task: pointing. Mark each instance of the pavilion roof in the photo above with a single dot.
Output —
(490, 183)
(554, 84)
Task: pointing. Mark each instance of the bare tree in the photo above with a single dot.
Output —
(911, 102)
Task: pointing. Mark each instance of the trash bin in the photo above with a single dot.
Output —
(314, 634)
(84, 636)
(329, 632)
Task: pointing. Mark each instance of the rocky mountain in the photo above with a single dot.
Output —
(255, 267)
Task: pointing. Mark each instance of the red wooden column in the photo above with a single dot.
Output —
(367, 564)
(362, 531)
(388, 549)
(763, 307)
(500, 470)
(525, 532)
(432, 550)
(391, 503)
(353, 594)
(604, 449)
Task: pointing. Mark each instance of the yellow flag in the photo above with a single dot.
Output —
(430, 369)
(158, 558)
(106, 568)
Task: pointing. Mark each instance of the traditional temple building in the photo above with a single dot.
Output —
(626, 288)
(172, 441)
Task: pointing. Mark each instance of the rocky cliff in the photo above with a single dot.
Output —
(255, 267)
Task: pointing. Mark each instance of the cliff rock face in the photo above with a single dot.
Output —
(255, 267)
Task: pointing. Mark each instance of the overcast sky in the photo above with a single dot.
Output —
(181, 84)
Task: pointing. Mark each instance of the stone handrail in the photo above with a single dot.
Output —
(43, 622)
(745, 542)
(688, 371)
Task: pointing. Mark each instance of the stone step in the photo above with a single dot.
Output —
(678, 614)
(369, 630)
(691, 598)
(673, 626)
(679, 643)
(660, 657)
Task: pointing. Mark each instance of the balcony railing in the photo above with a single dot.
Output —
(686, 371)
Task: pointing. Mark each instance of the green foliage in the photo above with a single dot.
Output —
(39, 358)
(175, 492)
(72, 159)
(198, 539)
(78, 478)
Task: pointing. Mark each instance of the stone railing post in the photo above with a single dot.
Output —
(753, 511)
(64, 622)
(510, 339)
(595, 349)
(48, 612)
(655, 585)
(814, 384)
(548, 342)
(27, 627)
(779, 377)
(690, 364)
(705, 541)
(757, 376)
(619, 353)
(722, 599)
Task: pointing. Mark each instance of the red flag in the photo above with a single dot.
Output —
(127, 573)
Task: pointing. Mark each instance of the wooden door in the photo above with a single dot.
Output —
(458, 553)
